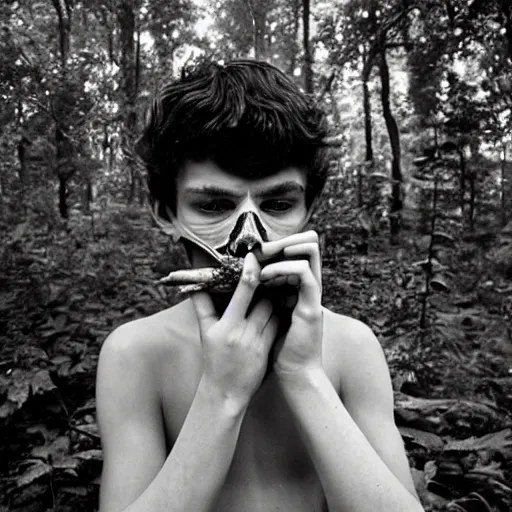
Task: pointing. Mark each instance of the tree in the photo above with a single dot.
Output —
(171, 26)
(63, 100)
(462, 106)
(241, 28)
(49, 100)
(394, 140)
(291, 47)
(258, 11)
(383, 26)
(308, 54)
(266, 30)
(130, 70)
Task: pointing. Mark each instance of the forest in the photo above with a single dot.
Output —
(415, 223)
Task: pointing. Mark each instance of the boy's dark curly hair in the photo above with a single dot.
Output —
(247, 117)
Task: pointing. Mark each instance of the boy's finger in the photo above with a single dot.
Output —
(268, 250)
(270, 331)
(205, 310)
(311, 251)
(309, 288)
(260, 315)
(244, 292)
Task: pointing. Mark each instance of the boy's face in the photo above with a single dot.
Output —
(221, 209)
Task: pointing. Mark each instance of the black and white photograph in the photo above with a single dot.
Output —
(256, 256)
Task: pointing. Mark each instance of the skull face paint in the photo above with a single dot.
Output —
(247, 234)
(232, 215)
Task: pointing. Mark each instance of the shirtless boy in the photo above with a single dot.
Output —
(261, 399)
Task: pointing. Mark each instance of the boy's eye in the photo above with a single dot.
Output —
(276, 205)
(215, 206)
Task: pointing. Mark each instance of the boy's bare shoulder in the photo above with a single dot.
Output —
(346, 330)
(350, 342)
(150, 338)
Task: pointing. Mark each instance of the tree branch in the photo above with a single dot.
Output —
(379, 42)
(58, 8)
(328, 86)
(64, 29)
(450, 11)
(69, 9)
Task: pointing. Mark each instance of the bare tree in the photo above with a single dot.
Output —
(308, 56)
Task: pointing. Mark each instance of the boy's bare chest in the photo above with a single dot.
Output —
(271, 468)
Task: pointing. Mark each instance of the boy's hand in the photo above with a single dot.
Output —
(300, 347)
(236, 346)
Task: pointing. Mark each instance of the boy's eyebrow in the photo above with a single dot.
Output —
(212, 191)
(274, 190)
(281, 189)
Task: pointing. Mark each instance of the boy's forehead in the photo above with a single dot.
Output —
(207, 174)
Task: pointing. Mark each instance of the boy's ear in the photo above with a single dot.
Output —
(167, 226)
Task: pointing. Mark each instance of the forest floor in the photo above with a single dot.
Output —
(62, 292)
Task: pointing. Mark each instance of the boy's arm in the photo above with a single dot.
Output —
(136, 474)
(361, 463)
(355, 445)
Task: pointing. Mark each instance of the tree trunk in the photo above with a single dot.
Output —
(367, 107)
(428, 272)
(108, 148)
(22, 157)
(3, 192)
(506, 10)
(258, 12)
(107, 23)
(462, 180)
(367, 124)
(106, 142)
(85, 20)
(64, 149)
(394, 140)
(137, 65)
(360, 198)
(368, 128)
(111, 158)
(472, 200)
(142, 193)
(335, 110)
(369, 55)
(132, 190)
(503, 185)
(368, 63)
(64, 17)
(294, 36)
(88, 194)
(65, 168)
(126, 19)
(308, 56)
(22, 150)
(63, 196)
(64, 152)
(259, 36)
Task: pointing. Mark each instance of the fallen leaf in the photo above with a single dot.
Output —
(499, 441)
(35, 472)
(41, 382)
(19, 388)
(427, 440)
(90, 455)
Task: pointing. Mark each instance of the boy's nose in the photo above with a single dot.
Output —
(247, 234)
